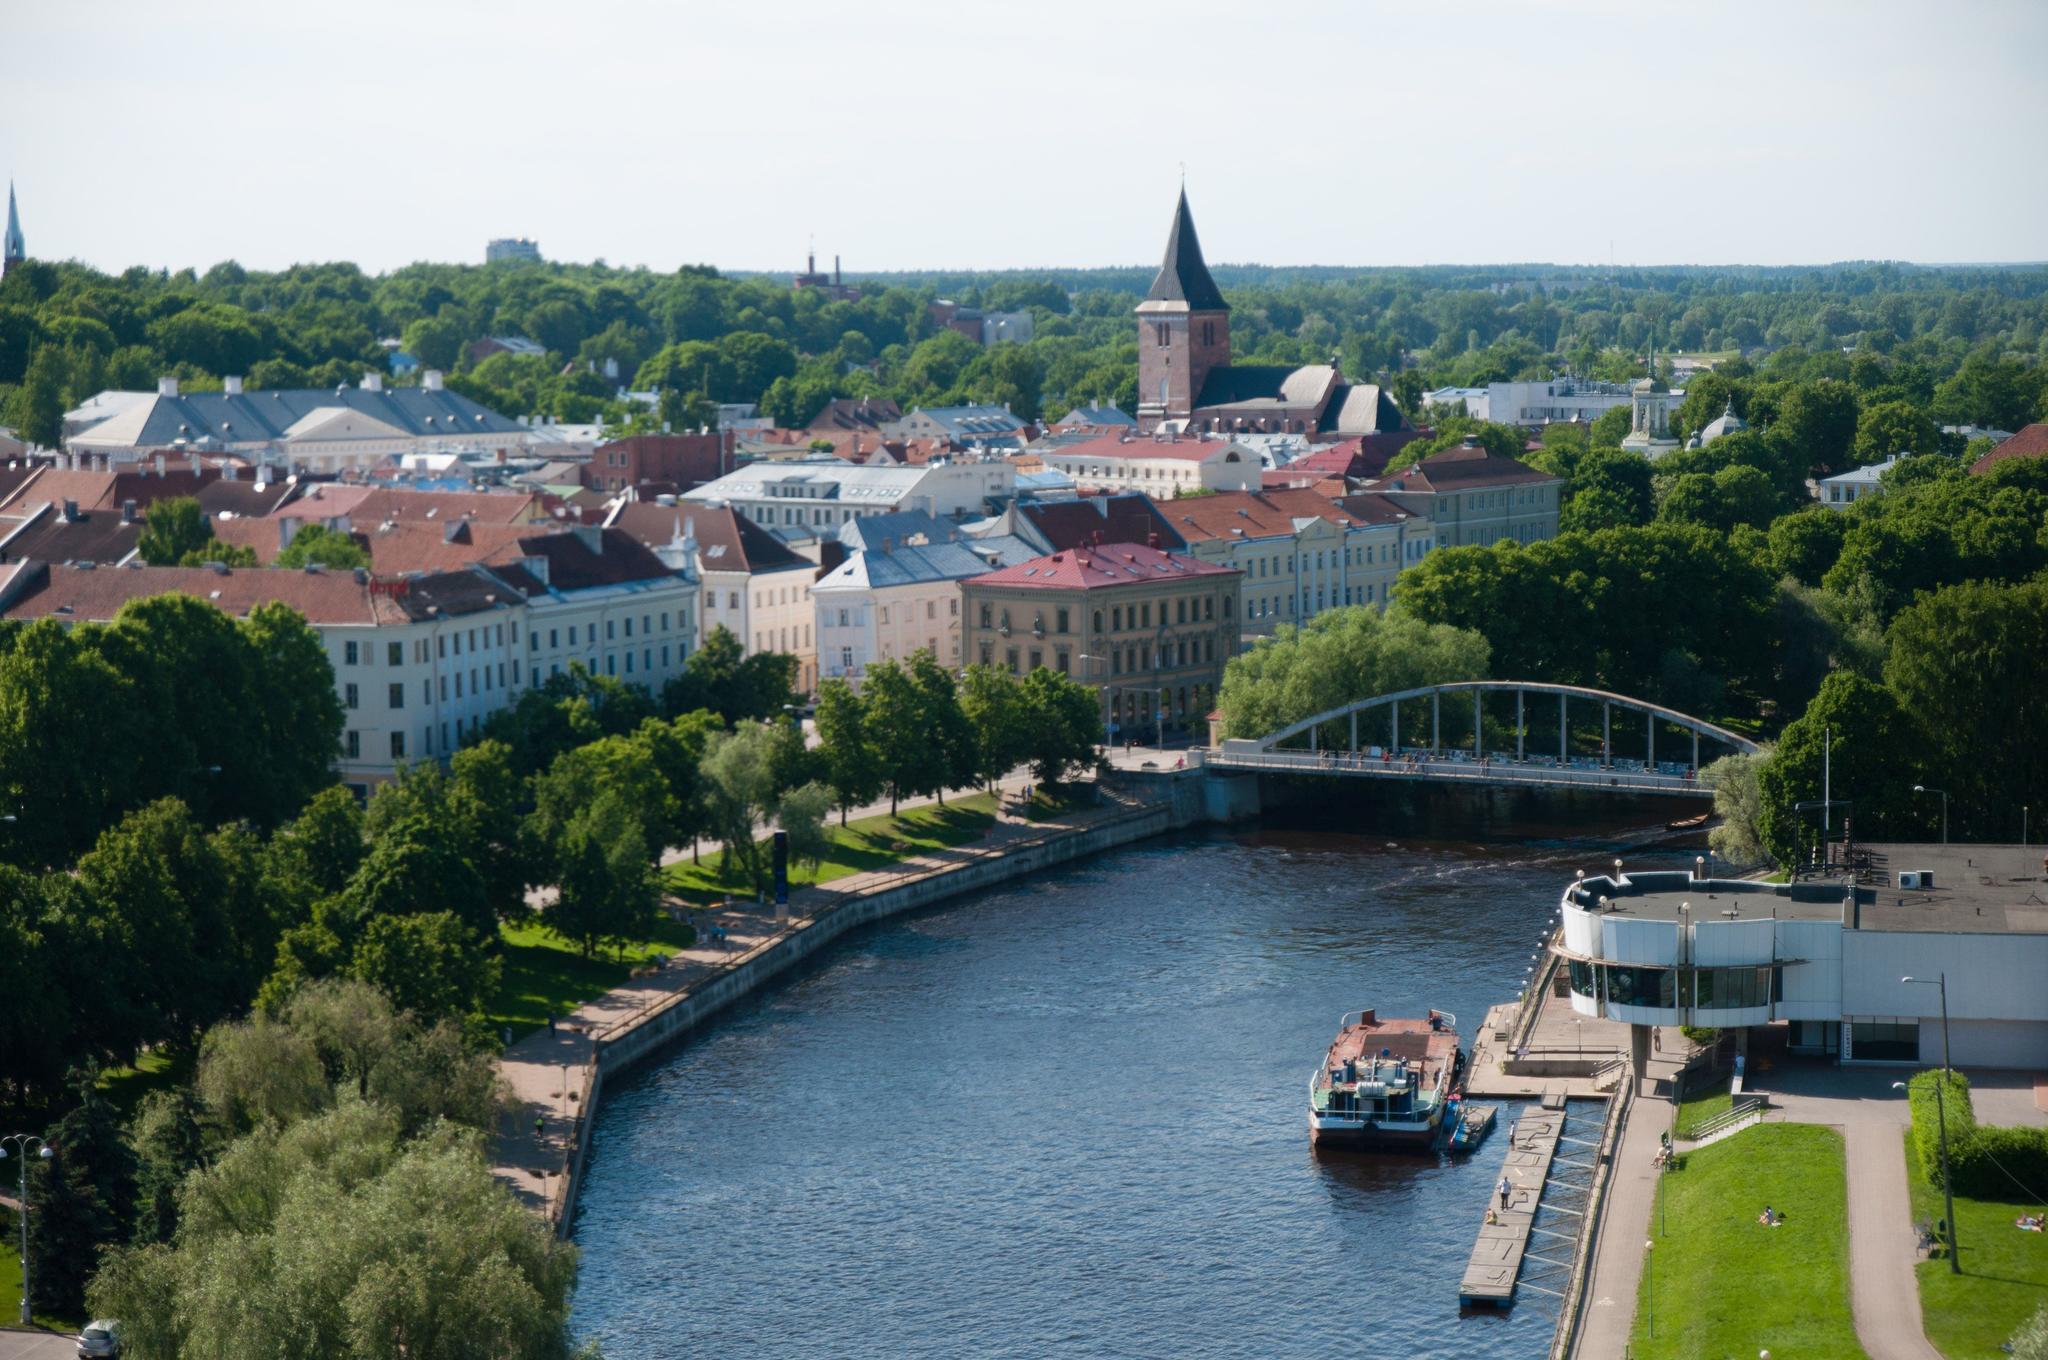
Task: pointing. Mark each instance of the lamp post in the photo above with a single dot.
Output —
(1938, 980)
(1948, 1200)
(21, 1143)
(1087, 656)
(1922, 788)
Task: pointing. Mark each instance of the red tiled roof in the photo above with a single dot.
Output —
(1127, 518)
(1110, 565)
(726, 539)
(36, 590)
(489, 507)
(2031, 441)
(1465, 466)
(574, 565)
(1261, 514)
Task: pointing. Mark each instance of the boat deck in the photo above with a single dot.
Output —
(1496, 1261)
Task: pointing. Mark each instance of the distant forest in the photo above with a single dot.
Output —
(1966, 343)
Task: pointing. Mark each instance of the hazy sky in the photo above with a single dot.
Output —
(978, 135)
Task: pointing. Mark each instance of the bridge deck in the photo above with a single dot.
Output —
(1504, 1237)
(1357, 765)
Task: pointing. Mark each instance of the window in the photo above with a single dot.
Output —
(398, 746)
(350, 697)
(1885, 1039)
(842, 618)
(1060, 660)
(1061, 619)
(351, 653)
(931, 609)
(610, 630)
(1037, 658)
(1011, 657)
(444, 689)
(458, 684)
(554, 640)
(1116, 616)
(1163, 332)
(1098, 620)
(1145, 615)
(1732, 988)
(458, 644)
(572, 635)
(987, 616)
(395, 653)
(629, 627)
(885, 619)
(1180, 610)
(397, 696)
(352, 743)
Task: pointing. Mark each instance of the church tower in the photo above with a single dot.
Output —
(13, 250)
(1183, 328)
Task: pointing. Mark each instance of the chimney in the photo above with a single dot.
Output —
(372, 383)
(831, 554)
(232, 386)
(70, 512)
(167, 386)
(128, 511)
(159, 465)
(1152, 539)
(287, 527)
(431, 380)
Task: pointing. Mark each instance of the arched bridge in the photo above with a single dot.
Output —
(1329, 742)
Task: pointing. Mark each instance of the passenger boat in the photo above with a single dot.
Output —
(1385, 1083)
(1471, 1125)
(1689, 823)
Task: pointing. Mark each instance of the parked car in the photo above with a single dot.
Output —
(99, 1340)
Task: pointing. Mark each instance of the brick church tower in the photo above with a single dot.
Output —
(1183, 328)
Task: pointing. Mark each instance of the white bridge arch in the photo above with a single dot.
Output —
(1523, 765)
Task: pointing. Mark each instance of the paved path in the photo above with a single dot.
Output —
(1610, 1309)
(546, 1070)
(18, 1345)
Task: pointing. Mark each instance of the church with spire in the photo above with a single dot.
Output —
(1187, 384)
(13, 250)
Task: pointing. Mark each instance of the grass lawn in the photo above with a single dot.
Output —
(1720, 1283)
(2005, 1271)
(10, 1277)
(863, 844)
(160, 1069)
(1703, 1103)
(546, 974)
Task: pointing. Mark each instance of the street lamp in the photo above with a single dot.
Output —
(1938, 980)
(1087, 656)
(1948, 1200)
(21, 1143)
(1922, 788)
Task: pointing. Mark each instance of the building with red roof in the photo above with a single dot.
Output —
(1475, 497)
(2030, 441)
(1159, 465)
(1147, 629)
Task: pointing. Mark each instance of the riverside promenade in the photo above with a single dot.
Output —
(556, 1076)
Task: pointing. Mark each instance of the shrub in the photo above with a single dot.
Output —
(1984, 1162)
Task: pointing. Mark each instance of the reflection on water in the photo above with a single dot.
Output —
(1068, 1118)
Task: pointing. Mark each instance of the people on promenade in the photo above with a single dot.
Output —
(1505, 1190)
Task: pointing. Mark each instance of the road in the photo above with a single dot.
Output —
(16, 1345)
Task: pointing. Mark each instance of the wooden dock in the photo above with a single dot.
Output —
(1504, 1236)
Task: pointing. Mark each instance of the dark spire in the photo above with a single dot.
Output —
(1183, 277)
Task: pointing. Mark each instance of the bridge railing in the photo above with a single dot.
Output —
(1470, 771)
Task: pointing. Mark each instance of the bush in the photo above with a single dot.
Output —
(1984, 1162)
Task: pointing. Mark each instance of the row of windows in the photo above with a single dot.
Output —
(1186, 609)
(611, 630)
(354, 653)
(1661, 988)
(931, 612)
(1267, 606)
(783, 639)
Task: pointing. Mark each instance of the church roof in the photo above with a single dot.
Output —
(1183, 276)
(16, 248)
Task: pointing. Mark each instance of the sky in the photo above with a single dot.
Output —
(972, 135)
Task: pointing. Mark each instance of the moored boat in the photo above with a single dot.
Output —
(1471, 1124)
(1385, 1084)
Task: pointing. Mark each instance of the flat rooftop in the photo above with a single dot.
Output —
(1976, 889)
(1995, 889)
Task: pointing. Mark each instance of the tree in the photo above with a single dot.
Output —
(739, 784)
(172, 528)
(428, 963)
(1965, 662)
(83, 1199)
(168, 1145)
(1738, 839)
(316, 544)
(1062, 724)
(853, 765)
(791, 758)
(994, 712)
(801, 815)
(297, 723)
(1804, 545)
(259, 1071)
(336, 1236)
(738, 688)
(1608, 488)
(620, 765)
(1891, 427)
(70, 743)
(436, 341)
(1877, 757)
(485, 798)
(913, 763)
(952, 738)
(1818, 420)
(1339, 656)
(36, 409)
(607, 882)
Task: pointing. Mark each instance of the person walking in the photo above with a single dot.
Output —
(539, 1128)
(1505, 1190)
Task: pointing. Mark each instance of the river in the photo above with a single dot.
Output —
(1067, 1118)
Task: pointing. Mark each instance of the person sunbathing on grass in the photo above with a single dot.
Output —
(2030, 1223)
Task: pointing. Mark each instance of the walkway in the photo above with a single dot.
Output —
(547, 1071)
(1610, 1310)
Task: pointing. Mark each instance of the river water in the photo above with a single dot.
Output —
(1068, 1118)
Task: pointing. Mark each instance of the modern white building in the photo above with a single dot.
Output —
(1551, 401)
(898, 592)
(1160, 465)
(1854, 968)
(818, 494)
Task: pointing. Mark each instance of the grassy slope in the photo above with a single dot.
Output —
(864, 844)
(1702, 1104)
(2005, 1271)
(10, 1277)
(1724, 1285)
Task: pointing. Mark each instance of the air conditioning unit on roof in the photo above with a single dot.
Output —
(1916, 878)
